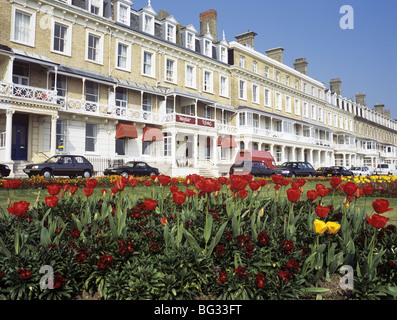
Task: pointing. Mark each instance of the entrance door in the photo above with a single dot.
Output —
(19, 141)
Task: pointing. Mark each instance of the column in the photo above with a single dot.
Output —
(195, 150)
(215, 151)
(8, 142)
(173, 150)
(54, 119)
(283, 158)
(293, 154)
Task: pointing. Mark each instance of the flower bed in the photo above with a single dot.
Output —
(219, 239)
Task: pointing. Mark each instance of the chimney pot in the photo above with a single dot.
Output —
(208, 19)
(276, 54)
(300, 65)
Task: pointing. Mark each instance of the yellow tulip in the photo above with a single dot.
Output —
(320, 226)
(333, 227)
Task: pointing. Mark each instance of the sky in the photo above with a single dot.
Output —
(364, 57)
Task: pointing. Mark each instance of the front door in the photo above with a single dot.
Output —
(19, 140)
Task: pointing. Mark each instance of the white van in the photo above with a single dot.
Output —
(386, 169)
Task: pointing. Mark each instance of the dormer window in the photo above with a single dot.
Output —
(95, 7)
(171, 33)
(207, 48)
(123, 15)
(190, 39)
(148, 24)
(223, 54)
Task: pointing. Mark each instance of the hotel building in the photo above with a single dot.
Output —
(101, 79)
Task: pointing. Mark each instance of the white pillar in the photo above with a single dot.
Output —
(8, 142)
(173, 150)
(215, 151)
(195, 150)
(54, 119)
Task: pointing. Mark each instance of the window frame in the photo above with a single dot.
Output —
(127, 21)
(208, 88)
(174, 78)
(32, 26)
(100, 45)
(152, 63)
(94, 137)
(193, 83)
(128, 55)
(68, 47)
(225, 86)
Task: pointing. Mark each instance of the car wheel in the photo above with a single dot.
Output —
(293, 175)
(86, 174)
(124, 174)
(152, 174)
(47, 174)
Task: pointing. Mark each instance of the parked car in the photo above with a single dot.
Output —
(134, 168)
(338, 171)
(297, 168)
(61, 165)
(320, 172)
(386, 169)
(361, 171)
(4, 170)
(256, 168)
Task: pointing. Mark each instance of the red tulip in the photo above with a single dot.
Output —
(277, 178)
(335, 182)
(295, 185)
(147, 183)
(254, 185)
(243, 193)
(91, 183)
(163, 221)
(222, 180)
(367, 190)
(11, 183)
(381, 206)
(358, 193)
(65, 187)
(377, 221)
(120, 183)
(51, 201)
(312, 195)
(54, 189)
(207, 185)
(133, 182)
(73, 190)
(173, 189)
(88, 191)
(190, 192)
(164, 180)
(179, 197)
(174, 181)
(301, 182)
(19, 209)
(321, 212)
(114, 190)
(349, 188)
(150, 204)
(293, 194)
(237, 183)
(321, 190)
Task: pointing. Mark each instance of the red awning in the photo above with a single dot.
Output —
(126, 131)
(228, 142)
(152, 134)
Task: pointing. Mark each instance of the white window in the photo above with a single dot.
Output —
(224, 86)
(123, 56)
(296, 84)
(305, 109)
(190, 41)
(207, 85)
(288, 104)
(340, 122)
(278, 101)
(313, 112)
(148, 24)
(148, 66)
(207, 112)
(320, 114)
(61, 135)
(94, 47)
(242, 62)
(90, 137)
(208, 48)
(171, 33)
(123, 14)
(267, 97)
(297, 107)
(167, 144)
(170, 70)
(147, 102)
(267, 72)
(23, 30)
(329, 119)
(188, 110)
(287, 80)
(223, 56)
(96, 7)
(255, 93)
(335, 121)
(61, 40)
(278, 76)
(121, 100)
(255, 66)
(190, 76)
(242, 90)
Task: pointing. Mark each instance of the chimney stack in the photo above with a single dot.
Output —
(335, 85)
(380, 108)
(360, 99)
(208, 20)
(247, 39)
(300, 65)
(276, 54)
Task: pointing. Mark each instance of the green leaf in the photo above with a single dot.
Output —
(216, 239)
(192, 241)
(208, 227)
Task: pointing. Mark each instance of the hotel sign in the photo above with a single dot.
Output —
(206, 123)
(185, 119)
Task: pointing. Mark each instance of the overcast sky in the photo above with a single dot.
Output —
(364, 57)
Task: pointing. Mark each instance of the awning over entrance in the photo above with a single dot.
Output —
(127, 131)
(152, 134)
(228, 142)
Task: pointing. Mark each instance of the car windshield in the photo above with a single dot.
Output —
(356, 168)
(129, 164)
(53, 159)
(287, 164)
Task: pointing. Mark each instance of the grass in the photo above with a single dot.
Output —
(30, 195)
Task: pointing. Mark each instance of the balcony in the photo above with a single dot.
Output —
(27, 93)
(107, 110)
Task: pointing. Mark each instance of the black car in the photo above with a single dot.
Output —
(338, 171)
(297, 168)
(320, 172)
(61, 165)
(4, 170)
(256, 168)
(134, 168)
